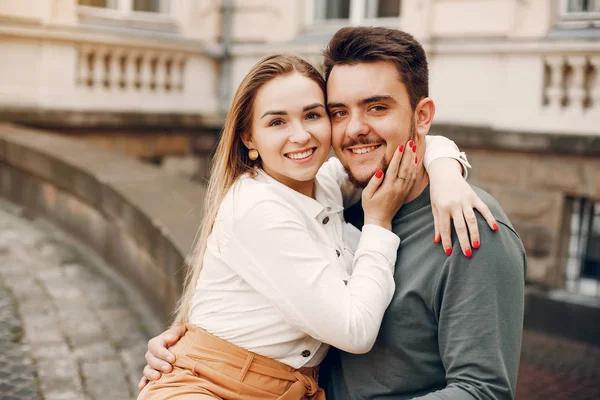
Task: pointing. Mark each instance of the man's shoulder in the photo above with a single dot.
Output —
(494, 207)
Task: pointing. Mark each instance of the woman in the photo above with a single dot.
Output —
(279, 278)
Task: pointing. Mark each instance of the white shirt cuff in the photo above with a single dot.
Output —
(380, 240)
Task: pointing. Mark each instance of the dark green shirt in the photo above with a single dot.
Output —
(453, 329)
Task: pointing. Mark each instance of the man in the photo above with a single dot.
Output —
(453, 329)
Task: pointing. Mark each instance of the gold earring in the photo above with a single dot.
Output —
(253, 154)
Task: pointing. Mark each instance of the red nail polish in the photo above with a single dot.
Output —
(476, 244)
(414, 148)
(379, 174)
(448, 251)
(411, 143)
(434, 237)
(416, 159)
(401, 148)
(494, 227)
(468, 253)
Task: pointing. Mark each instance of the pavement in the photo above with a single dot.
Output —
(71, 329)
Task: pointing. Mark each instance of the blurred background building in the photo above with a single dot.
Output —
(516, 84)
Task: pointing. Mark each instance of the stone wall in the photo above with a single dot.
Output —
(532, 175)
(140, 219)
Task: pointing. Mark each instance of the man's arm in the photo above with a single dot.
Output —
(479, 306)
(159, 359)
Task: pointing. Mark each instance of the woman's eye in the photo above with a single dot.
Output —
(312, 115)
(276, 122)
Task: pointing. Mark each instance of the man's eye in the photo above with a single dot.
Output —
(339, 113)
(377, 108)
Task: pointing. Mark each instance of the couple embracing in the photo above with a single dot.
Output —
(291, 297)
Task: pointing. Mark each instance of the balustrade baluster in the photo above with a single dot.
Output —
(575, 89)
(98, 71)
(554, 91)
(83, 68)
(594, 83)
(146, 71)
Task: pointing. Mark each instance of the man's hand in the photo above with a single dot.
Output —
(160, 359)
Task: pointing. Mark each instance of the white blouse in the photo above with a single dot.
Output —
(285, 277)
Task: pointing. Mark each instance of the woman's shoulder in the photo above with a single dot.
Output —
(250, 193)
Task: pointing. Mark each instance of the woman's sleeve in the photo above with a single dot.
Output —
(442, 147)
(271, 249)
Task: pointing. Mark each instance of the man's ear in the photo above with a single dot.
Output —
(424, 113)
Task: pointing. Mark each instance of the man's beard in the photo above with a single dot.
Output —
(362, 183)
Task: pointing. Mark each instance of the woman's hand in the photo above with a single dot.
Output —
(159, 359)
(453, 198)
(384, 195)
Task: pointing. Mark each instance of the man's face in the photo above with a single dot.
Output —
(371, 116)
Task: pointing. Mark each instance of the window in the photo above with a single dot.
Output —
(579, 13)
(150, 5)
(136, 15)
(333, 9)
(156, 6)
(382, 8)
(94, 3)
(583, 6)
(355, 12)
(583, 263)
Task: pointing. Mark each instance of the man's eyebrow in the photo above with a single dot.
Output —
(332, 105)
(274, 112)
(368, 100)
(377, 98)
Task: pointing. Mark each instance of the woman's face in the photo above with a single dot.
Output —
(291, 130)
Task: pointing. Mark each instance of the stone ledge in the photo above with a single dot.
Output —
(48, 118)
(493, 139)
(140, 219)
(563, 315)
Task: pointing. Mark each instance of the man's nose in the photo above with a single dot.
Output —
(356, 126)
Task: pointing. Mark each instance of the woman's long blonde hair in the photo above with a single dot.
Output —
(231, 159)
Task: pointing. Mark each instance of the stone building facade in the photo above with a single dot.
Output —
(516, 84)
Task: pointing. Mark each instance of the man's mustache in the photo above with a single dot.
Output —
(363, 141)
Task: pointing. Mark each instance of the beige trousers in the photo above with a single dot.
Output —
(208, 367)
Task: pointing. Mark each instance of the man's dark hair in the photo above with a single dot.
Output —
(351, 46)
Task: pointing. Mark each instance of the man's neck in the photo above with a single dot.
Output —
(420, 184)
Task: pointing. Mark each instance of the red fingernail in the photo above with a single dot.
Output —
(495, 227)
(448, 251)
(476, 244)
(468, 253)
(379, 174)
(416, 159)
(434, 237)
(401, 148)
(411, 143)
(414, 148)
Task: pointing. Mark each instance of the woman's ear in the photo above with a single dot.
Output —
(424, 113)
(247, 140)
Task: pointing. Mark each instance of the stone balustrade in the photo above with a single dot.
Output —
(572, 82)
(120, 69)
(88, 70)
